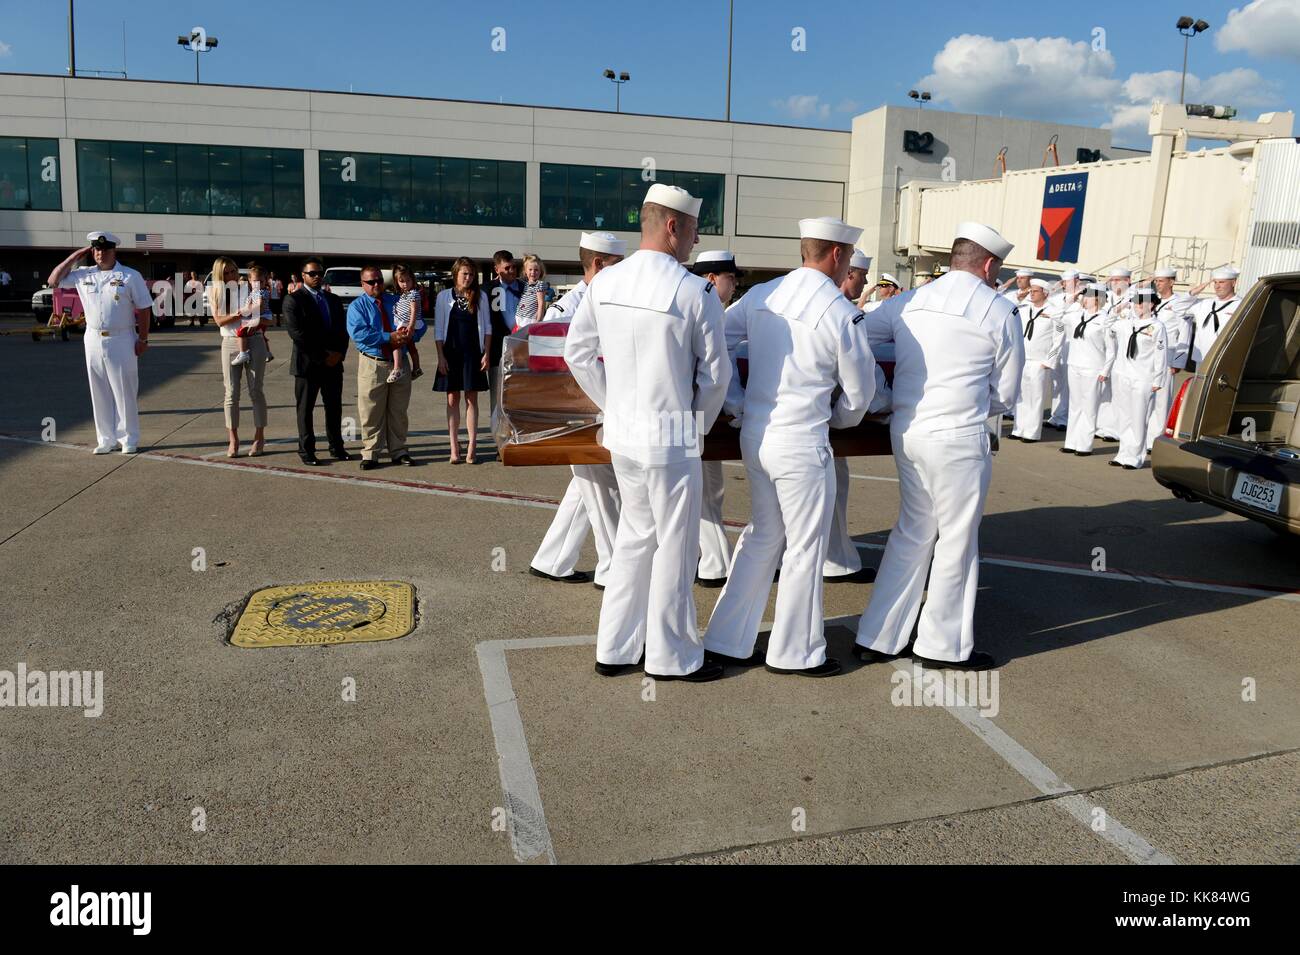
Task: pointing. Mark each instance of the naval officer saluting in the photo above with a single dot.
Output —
(718, 268)
(805, 338)
(660, 387)
(958, 360)
(116, 303)
(591, 500)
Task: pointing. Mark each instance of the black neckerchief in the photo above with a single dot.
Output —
(1029, 326)
(1133, 340)
(1082, 327)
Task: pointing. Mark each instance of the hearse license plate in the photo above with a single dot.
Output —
(1265, 495)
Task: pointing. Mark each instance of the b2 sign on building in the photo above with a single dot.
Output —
(1062, 220)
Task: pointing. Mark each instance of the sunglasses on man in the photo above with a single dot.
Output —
(372, 281)
(311, 275)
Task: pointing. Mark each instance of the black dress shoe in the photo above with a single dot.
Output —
(713, 583)
(1111, 440)
(707, 673)
(1029, 440)
(1083, 454)
(1129, 467)
(368, 465)
(577, 577)
(1115, 464)
(404, 459)
(1065, 450)
(311, 460)
(341, 454)
(978, 660)
(867, 655)
(829, 668)
(753, 660)
(616, 669)
(863, 575)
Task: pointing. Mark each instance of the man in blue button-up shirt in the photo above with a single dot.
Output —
(381, 406)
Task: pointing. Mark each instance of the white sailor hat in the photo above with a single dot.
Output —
(1144, 293)
(1119, 272)
(674, 197)
(985, 238)
(860, 260)
(1043, 284)
(1024, 273)
(1225, 272)
(887, 279)
(603, 242)
(1165, 274)
(830, 229)
(1097, 289)
(717, 262)
(1085, 277)
(1070, 274)
(102, 239)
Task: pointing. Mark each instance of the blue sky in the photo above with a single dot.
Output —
(1032, 60)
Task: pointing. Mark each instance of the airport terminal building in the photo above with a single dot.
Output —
(182, 172)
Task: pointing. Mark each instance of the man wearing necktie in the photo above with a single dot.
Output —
(381, 404)
(314, 319)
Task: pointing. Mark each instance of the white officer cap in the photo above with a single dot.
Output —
(1043, 284)
(1165, 274)
(102, 238)
(985, 238)
(829, 228)
(1070, 274)
(717, 262)
(887, 279)
(1097, 289)
(1121, 273)
(1024, 273)
(1225, 272)
(674, 197)
(604, 242)
(860, 260)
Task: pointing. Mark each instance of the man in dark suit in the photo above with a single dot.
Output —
(503, 291)
(318, 327)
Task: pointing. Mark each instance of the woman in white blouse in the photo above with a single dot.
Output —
(230, 306)
(463, 333)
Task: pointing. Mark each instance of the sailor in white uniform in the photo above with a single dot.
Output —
(591, 500)
(1173, 311)
(1057, 305)
(719, 269)
(843, 561)
(1092, 354)
(1016, 289)
(117, 304)
(959, 354)
(1109, 422)
(1141, 368)
(805, 340)
(1210, 315)
(886, 288)
(647, 346)
(1042, 335)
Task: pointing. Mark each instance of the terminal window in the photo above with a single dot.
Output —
(600, 197)
(29, 173)
(172, 179)
(391, 188)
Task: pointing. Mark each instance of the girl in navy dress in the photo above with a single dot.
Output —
(463, 334)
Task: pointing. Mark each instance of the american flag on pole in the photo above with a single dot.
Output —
(148, 240)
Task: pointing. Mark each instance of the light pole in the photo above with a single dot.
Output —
(1188, 28)
(618, 82)
(199, 42)
(922, 97)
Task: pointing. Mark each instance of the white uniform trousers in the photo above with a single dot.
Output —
(943, 483)
(649, 591)
(792, 492)
(590, 502)
(112, 368)
(715, 549)
(842, 555)
(1164, 400)
(1108, 413)
(1081, 424)
(1029, 406)
(1133, 398)
(1060, 393)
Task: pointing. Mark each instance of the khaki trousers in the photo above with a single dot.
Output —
(382, 408)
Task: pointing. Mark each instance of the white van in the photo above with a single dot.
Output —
(345, 281)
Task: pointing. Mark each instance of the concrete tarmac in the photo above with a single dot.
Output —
(1147, 708)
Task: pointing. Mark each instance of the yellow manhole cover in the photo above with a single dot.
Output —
(336, 611)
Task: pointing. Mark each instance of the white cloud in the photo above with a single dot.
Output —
(1032, 77)
(1242, 88)
(1262, 28)
(803, 106)
(5, 48)
(848, 106)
